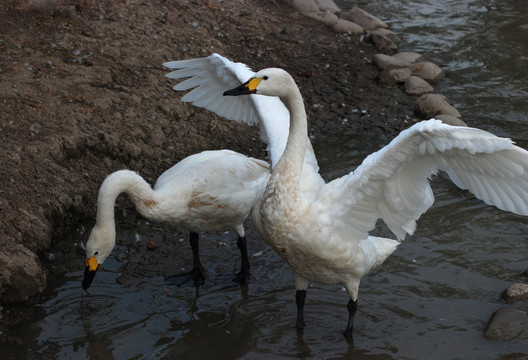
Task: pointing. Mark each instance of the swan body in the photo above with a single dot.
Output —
(210, 190)
(322, 229)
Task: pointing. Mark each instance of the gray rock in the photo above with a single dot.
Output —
(427, 71)
(388, 34)
(394, 76)
(515, 293)
(303, 6)
(386, 62)
(400, 75)
(21, 275)
(364, 19)
(324, 16)
(417, 86)
(431, 105)
(408, 56)
(345, 26)
(384, 41)
(507, 324)
(328, 5)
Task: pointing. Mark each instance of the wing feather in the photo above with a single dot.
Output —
(393, 183)
(207, 79)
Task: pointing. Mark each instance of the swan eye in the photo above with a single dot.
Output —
(96, 253)
(265, 78)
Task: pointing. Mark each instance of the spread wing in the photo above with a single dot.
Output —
(209, 77)
(393, 183)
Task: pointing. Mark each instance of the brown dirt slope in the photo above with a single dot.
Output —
(83, 94)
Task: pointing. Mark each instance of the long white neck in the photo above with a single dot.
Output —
(122, 181)
(292, 158)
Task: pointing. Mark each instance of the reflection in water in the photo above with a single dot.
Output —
(431, 298)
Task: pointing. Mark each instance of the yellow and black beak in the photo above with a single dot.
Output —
(89, 272)
(249, 87)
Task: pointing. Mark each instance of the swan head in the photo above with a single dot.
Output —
(98, 247)
(270, 82)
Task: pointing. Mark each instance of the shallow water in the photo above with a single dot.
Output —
(437, 292)
(430, 299)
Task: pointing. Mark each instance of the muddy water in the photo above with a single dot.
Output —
(431, 299)
(434, 294)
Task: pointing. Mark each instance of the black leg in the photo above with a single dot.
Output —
(352, 308)
(197, 272)
(300, 297)
(243, 276)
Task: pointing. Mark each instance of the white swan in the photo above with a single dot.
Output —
(209, 77)
(321, 229)
(210, 190)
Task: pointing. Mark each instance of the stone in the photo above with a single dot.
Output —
(21, 274)
(450, 120)
(366, 20)
(507, 324)
(388, 34)
(345, 26)
(303, 6)
(417, 86)
(394, 76)
(427, 71)
(383, 42)
(328, 5)
(400, 75)
(326, 17)
(515, 293)
(408, 56)
(431, 105)
(387, 62)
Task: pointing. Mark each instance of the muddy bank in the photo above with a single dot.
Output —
(83, 94)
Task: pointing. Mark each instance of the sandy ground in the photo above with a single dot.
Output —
(83, 94)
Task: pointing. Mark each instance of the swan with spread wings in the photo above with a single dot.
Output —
(322, 229)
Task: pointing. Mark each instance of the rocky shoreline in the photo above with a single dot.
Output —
(411, 70)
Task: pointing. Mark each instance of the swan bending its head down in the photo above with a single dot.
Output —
(210, 190)
(322, 229)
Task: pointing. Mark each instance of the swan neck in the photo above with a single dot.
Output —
(293, 156)
(123, 181)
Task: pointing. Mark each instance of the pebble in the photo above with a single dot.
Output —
(345, 26)
(431, 105)
(427, 71)
(384, 41)
(388, 34)
(303, 6)
(366, 20)
(151, 245)
(400, 75)
(515, 293)
(408, 56)
(394, 76)
(328, 5)
(507, 324)
(324, 16)
(326, 12)
(386, 62)
(415, 85)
